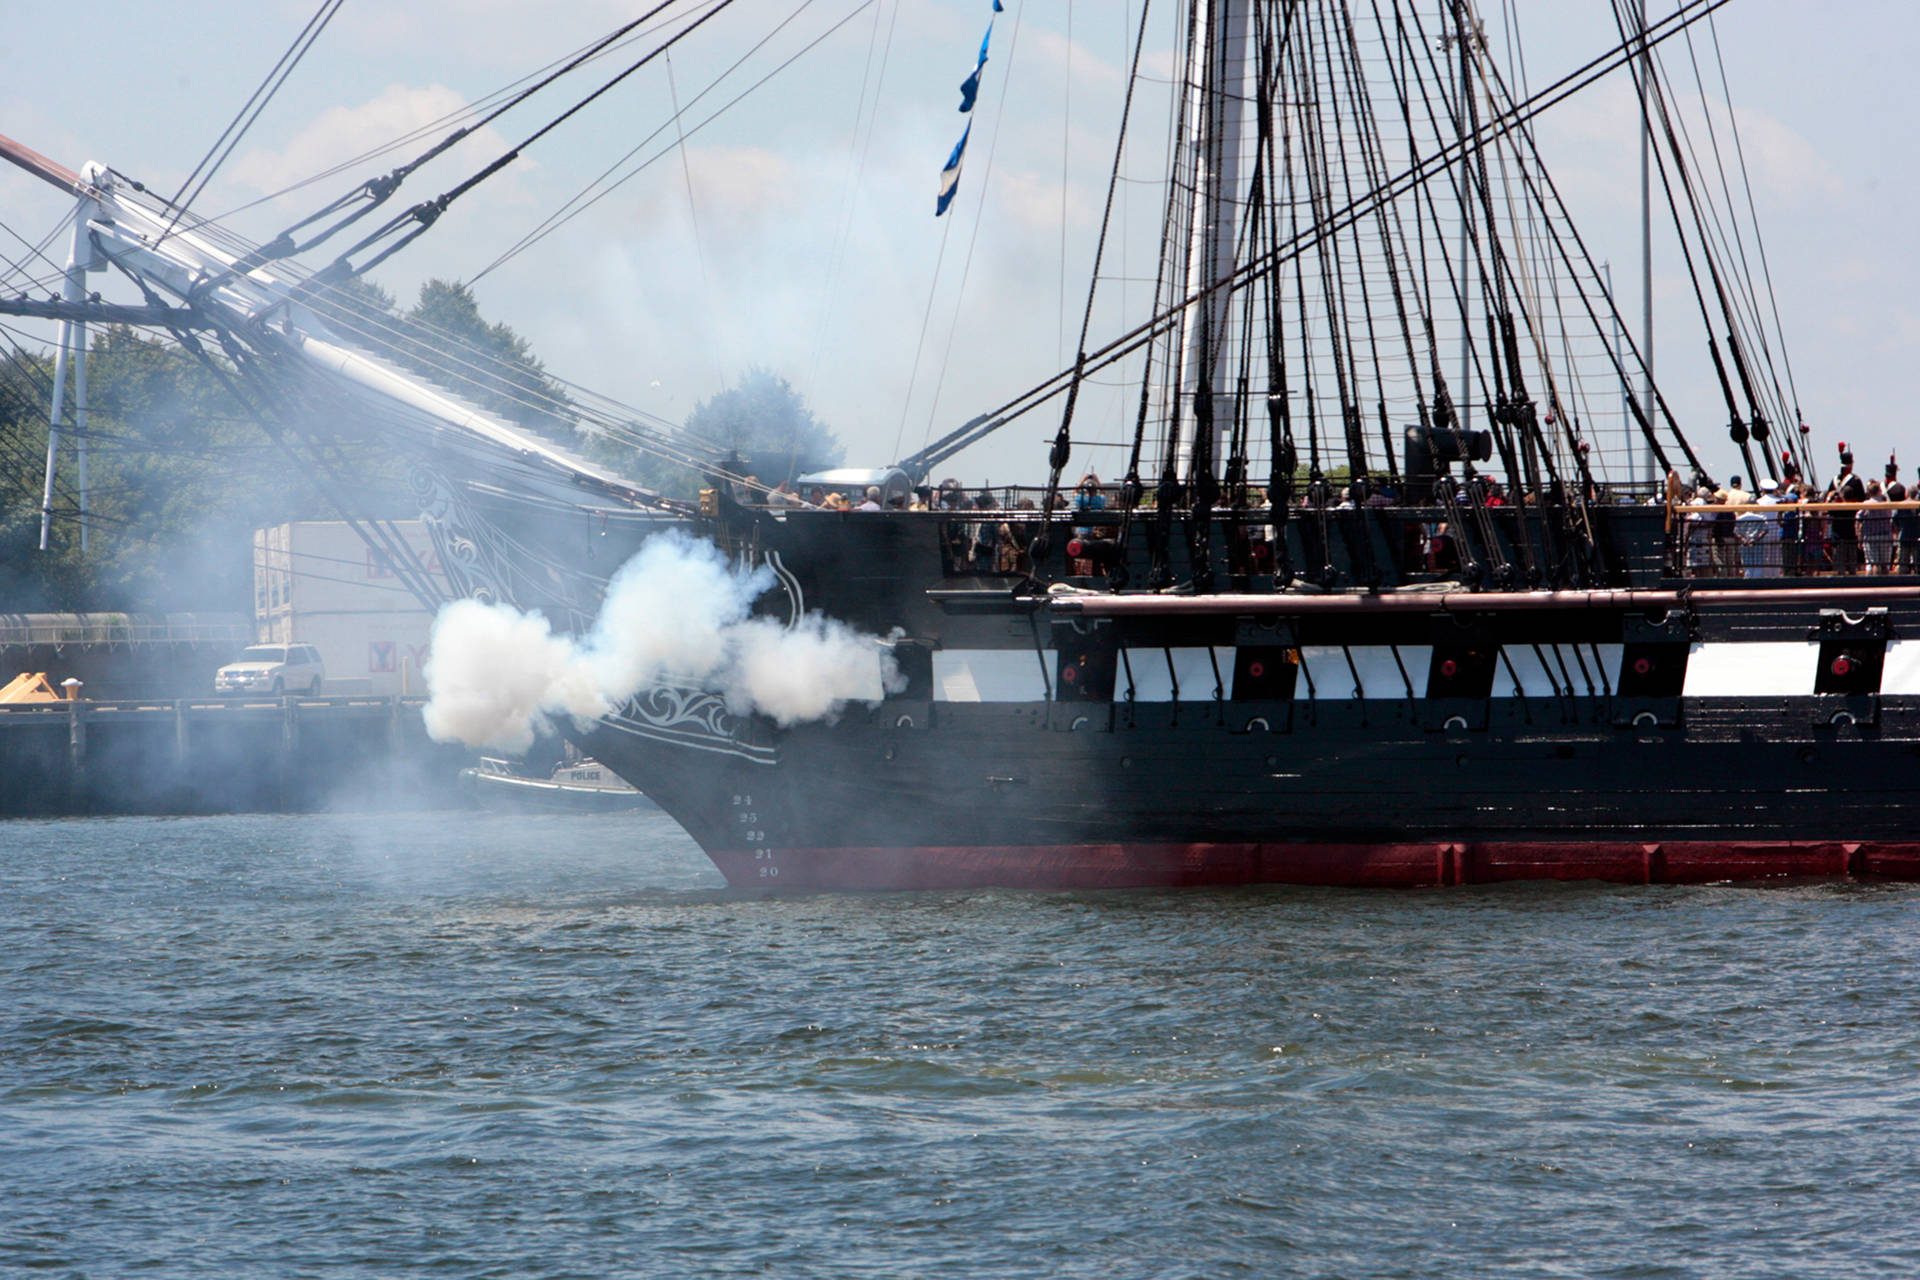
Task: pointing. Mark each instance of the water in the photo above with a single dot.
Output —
(462, 1045)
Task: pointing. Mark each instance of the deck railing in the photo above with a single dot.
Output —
(1793, 539)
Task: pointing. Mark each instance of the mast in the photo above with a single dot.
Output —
(72, 348)
(1217, 70)
(1457, 42)
(1646, 237)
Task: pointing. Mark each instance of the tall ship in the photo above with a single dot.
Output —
(1407, 574)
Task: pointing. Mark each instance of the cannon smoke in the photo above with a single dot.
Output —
(676, 614)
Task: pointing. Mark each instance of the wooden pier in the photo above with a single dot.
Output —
(221, 755)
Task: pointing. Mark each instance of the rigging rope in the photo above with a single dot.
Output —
(973, 239)
(249, 113)
(581, 202)
(1063, 440)
(851, 184)
(1766, 271)
(472, 111)
(427, 212)
(1737, 429)
(1410, 178)
(377, 191)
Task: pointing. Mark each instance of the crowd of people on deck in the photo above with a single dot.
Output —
(980, 539)
(1789, 528)
(979, 542)
(1784, 527)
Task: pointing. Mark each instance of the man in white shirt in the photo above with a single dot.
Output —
(1760, 532)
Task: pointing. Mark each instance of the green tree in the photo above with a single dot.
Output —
(182, 472)
(767, 424)
(180, 476)
(444, 337)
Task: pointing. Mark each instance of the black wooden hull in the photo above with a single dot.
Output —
(1419, 738)
(1617, 773)
(1364, 795)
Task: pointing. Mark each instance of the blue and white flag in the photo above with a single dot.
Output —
(970, 87)
(969, 91)
(950, 176)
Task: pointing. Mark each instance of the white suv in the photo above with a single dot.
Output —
(272, 668)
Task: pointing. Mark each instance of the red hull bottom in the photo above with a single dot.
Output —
(1410, 865)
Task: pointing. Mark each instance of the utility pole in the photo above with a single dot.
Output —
(73, 345)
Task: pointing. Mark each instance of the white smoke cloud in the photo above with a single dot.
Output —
(677, 613)
(495, 673)
(805, 672)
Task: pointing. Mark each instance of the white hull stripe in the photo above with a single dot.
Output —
(1157, 671)
(1765, 668)
(989, 675)
(1372, 673)
(1552, 670)
(1901, 675)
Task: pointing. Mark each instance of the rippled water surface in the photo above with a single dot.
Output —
(533, 1047)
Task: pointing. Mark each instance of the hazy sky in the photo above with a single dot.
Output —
(812, 250)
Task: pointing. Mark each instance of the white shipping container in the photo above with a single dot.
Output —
(318, 583)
